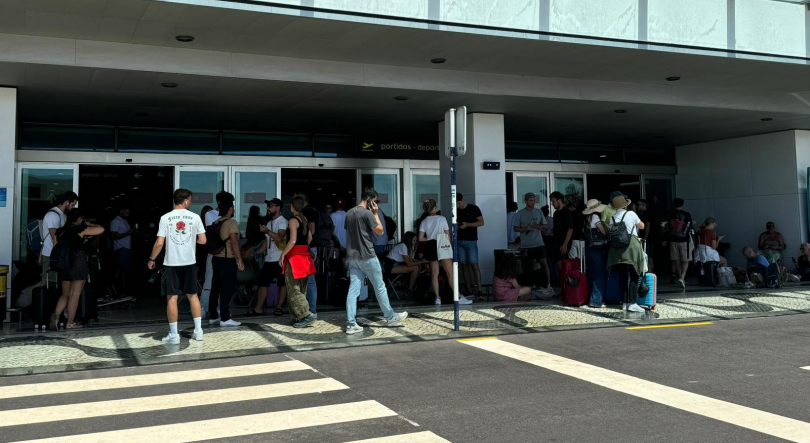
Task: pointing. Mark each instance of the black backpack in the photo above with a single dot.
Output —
(617, 233)
(61, 257)
(324, 231)
(213, 239)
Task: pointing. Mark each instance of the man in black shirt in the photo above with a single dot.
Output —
(563, 226)
(312, 215)
(469, 220)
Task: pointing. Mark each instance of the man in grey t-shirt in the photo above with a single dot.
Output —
(362, 222)
(530, 223)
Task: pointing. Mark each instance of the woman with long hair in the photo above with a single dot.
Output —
(400, 260)
(505, 286)
(253, 231)
(73, 232)
(297, 265)
(430, 229)
(708, 242)
(596, 251)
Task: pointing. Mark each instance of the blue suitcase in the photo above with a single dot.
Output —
(650, 300)
(613, 292)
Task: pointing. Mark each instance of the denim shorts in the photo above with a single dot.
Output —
(468, 252)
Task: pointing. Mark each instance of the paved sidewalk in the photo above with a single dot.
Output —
(140, 345)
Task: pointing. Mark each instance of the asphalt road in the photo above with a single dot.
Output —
(455, 391)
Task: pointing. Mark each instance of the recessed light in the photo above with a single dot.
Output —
(141, 114)
(603, 156)
(438, 61)
(766, 119)
(673, 79)
(401, 98)
(184, 38)
(169, 85)
(621, 111)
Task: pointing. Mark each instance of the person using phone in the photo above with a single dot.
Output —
(708, 241)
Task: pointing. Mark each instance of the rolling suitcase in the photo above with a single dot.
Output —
(707, 273)
(650, 300)
(574, 282)
(43, 303)
(87, 311)
(613, 292)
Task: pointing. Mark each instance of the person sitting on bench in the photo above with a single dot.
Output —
(771, 243)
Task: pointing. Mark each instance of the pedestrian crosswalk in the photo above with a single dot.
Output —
(270, 399)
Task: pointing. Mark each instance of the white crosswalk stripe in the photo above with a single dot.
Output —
(289, 420)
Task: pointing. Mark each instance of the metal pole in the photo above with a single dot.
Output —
(455, 236)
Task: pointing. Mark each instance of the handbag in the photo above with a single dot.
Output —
(444, 247)
(643, 288)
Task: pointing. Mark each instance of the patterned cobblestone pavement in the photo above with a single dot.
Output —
(140, 345)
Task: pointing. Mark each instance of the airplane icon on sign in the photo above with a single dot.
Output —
(367, 145)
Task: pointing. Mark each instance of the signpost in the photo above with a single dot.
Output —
(455, 145)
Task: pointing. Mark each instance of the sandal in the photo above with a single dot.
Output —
(252, 313)
(278, 312)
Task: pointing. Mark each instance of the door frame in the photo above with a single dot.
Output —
(408, 202)
(400, 197)
(582, 175)
(645, 177)
(516, 174)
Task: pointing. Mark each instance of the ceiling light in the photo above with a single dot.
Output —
(766, 119)
(401, 98)
(603, 156)
(169, 85)
(141, 114)
(673, 79)
(438, 61)
(621, 111)
(184, 38)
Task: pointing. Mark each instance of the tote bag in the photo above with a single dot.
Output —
(444, 247)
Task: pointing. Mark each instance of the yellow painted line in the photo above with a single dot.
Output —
(234, 426)
(678, 325)
(135, 381)
(742, 416)
(417, 437)
(465, 340)
(77, 411)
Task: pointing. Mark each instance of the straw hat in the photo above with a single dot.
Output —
(619, 201)
(594, 205)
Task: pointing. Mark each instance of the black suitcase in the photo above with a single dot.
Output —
(707, 273)
(87, 311)
(43, 303)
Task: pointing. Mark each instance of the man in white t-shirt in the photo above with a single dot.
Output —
(210, 217)
(339, 219)
(275, 234)
(181, 231)
(54, 219)
(121, 233)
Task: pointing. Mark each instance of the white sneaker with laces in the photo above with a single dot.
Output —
(230, 323)
(397, 318)
(464, 301)
(354, 328)
(438, 301)
(171, 339)
(213, 322)
(635, 308)
(197, 335)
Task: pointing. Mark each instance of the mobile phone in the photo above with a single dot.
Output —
(369, 202)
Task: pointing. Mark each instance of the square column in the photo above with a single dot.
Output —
(8, 139)
(485, 189)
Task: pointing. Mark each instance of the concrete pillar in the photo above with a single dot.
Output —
(8, 137)
(485, 189)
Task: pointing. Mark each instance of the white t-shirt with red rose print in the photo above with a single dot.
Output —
(180, 228)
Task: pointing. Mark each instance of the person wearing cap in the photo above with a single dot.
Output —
(339, 220)
(771, 243)
(629, 260)
(275, 233)
(225, 265)
(530, 224)
(596, 252)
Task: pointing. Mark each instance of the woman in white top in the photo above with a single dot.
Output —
(429, 231)
(400, 260)
(629, 260)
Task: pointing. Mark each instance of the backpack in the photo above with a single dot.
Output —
(213, 239)
(324, 231)
(390, 227)
(593, 237)
(61, 257)
(33, 234)
(678, 225)
(617, 233)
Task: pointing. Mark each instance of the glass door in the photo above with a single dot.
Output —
(425, 185)
(204, 181)
(572, 186)
(251, 187)
(386, 183)
(534, 182)
(39, 187)
(659, 191)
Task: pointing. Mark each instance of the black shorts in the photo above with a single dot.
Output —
(536, 254)
(431, 250)
(271, 271)
(179, 280)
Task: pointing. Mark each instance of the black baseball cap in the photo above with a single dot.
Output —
(275, 202)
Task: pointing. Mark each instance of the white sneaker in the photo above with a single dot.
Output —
(464, 301)
(438, 301)
(354, 329)
(171, 339)
(230, 323)
(682, 283)
(635, 308)
(197, 335)
(625, 306)
(397, 318)
(213, 322)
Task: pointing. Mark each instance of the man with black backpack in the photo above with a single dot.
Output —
(54, 219)
(678, 234)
